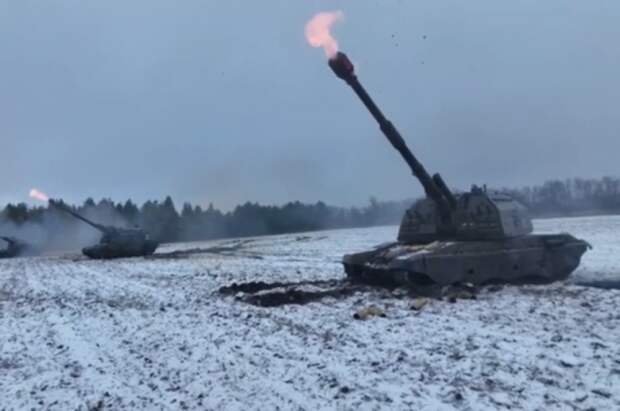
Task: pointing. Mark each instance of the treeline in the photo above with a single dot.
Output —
(571, 197)
(166, 224)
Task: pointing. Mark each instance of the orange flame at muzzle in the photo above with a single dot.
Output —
(318, 34)
(38, 195)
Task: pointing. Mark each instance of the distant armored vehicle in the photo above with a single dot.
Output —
(115, 242)
(446, 238)
(15, 248)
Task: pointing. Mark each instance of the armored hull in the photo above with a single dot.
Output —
(115, 242)
(104, 251)
(16, 248)
(8, 253)
(528, 258)
(445, 238)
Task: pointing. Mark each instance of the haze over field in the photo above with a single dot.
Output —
(225, 101)
(154, 333)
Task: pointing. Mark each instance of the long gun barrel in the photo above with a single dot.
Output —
(344, 69)
(64, 208)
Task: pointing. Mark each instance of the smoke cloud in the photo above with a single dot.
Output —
(56, 231)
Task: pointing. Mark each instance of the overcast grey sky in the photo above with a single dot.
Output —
(224, 101)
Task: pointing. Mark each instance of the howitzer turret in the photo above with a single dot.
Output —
(115, 242)
(16, 248)
(473, 237)
(10, 240)
(12, 250)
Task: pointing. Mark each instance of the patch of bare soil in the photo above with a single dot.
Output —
(604, 284)
(224, 249)
(276, 294)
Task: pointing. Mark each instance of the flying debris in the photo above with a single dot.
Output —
(115, 242)
(446, 238)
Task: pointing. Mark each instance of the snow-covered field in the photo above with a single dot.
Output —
(602, 263)
(155, 334)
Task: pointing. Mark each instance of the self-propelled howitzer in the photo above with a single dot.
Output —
(13, 249)
(474, 237)
(115, 242)
(17, 248)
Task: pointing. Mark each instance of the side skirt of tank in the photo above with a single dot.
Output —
(528, 259)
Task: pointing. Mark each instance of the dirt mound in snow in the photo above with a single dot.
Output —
(281, 293)
(278, 293)
(229, 249)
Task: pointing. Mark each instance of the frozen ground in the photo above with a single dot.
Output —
(154, 334)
